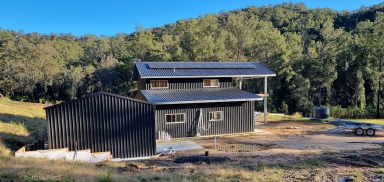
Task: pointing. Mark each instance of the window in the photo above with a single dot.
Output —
(215, 115)
(159, 83)
(211, 82)
(175, 118)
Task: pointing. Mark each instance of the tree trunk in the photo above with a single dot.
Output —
(379, 91)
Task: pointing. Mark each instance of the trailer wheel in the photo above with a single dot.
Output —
(370, 132)
(359, 131)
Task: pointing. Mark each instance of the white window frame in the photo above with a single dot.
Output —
(218, 83)
(159, 84)
(221, 116)
(183, 114)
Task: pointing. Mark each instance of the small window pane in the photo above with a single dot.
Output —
(218, 115)
(169, 118)
(154, 84)
(178, 118)
(173, 118)
(207, 83)
(163, 83)
(215, 82)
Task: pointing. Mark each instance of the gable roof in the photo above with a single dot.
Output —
(96, 94)
(184, 96)
(199, 70)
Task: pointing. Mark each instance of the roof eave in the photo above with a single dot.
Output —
(206, 101)
(207, 76)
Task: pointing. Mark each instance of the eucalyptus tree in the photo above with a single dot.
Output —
(69, 56)
(269, 48)
(106, 72)
(240, 27)
(143, 43)
(377, 49)
(198, 38)
(8, 68)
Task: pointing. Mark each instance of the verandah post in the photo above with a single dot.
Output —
(265, 100)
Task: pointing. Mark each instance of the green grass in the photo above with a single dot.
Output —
(374, 121)
(273, 117)
(20, 123)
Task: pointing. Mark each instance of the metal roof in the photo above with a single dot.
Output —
(184, 96)
(96, 94)
(199, 69)
(201, 65)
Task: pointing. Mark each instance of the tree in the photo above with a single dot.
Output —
(142, 44)
(240, 27)
(376, 45)
(106, 72)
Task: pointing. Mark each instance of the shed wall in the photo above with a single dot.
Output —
(191, 83)
(237, 118)
(103, 123)
(141, 84)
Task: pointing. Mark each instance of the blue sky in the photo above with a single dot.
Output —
(80, 17)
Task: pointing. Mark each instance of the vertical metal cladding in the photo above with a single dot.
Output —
(191, 83)
(103, 122)
(237, 118)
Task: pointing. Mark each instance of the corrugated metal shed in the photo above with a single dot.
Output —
(237, 118)
(189, 83)
(184, 96)
(199, 70)
(103, 122)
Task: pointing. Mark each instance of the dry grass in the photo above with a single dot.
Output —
(4, 151)
(29, 169)
(20, 123)
(43, 169)
(31, 110)
(274, 117)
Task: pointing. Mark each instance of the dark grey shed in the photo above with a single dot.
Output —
(103, 122)
(187, 102)
(238, 118)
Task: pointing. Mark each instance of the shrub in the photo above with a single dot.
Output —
(24, 99)
(353, 112)
(42, 101)
(59, 101)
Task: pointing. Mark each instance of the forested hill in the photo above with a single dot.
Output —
(320, 56)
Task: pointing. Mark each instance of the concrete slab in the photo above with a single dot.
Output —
(261, 131)
(176, 146)
(129, 159)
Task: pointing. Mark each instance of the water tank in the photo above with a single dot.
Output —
(321, 112)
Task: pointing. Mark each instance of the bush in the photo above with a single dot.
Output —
(5, 99)
(42, 101)
(59, 101)
(353, 112)
(22, 99)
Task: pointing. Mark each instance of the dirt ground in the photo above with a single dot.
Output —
(289, 138)
(285, 142)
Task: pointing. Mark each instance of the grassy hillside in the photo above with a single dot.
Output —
(20, 123)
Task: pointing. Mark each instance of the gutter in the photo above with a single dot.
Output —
(205, 101)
